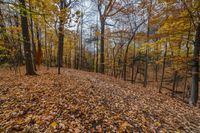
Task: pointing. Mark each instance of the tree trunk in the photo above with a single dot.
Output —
(39, 51)
(50, 54)
(32, 38)
(102, 65)
(163, 69)
(26, 39)
(94, 59)
(69, 60)
(133, 63)
(132, 71)
(60, 46)
(126, 53)
(146, 55)
(187, 55)
(157, 66)
(174, 82)
(114, 60)
(19, 42)
(195, 68)
(125, 61)
(60, 39)
(97, 54)
(81, 44)
(46, 49)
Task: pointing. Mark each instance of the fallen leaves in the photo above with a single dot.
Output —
(54, 125)
(77, 101)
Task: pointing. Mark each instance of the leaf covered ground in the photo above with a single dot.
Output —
(78, 101)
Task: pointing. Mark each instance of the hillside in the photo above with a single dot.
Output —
(78, 101)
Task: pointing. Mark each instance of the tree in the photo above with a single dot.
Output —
(64, 16)
(61, 34)
(32, 36)
(195, 19)
(195, 68)
(26, 39)
(105, 9)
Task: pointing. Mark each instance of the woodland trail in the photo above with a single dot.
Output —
(78, 101)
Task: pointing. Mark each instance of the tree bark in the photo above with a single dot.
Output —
(26, 39)
(32, 38)
(195, 68)
(102, 58)
(46, 49)
(114, 60)
(60, 39)
(187, 55)
(174, 82)
(19, 42)
(81, 44)
(133, 63)
(125, 60)
(163, 69)
(39, 51)
(146, 54)
(97, 54)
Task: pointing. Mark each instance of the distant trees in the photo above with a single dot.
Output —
(39, 18)
(187, 12)
(151, 42)
(180, 29)
(161, 47)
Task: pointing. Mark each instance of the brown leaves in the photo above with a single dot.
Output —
(80, 102)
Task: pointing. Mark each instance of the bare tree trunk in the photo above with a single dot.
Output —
(60, 39)
(39, 51)
(163, 68)
(126, 52)
(70, 56)
(174, 82)
(114, 62)
(125, 60)
(26, 39)
(81, 44)
(19, 42)
(102, 63)
(50, 54)
(146, 55)
(75, 54)
(97, 55)
(133, 63)
(32, 38)
(132, 71)
(46, 51)
(136, 72)
(195, 68)
(157, 66)
(187, 55)
(69, 60)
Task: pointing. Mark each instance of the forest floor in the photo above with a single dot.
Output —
(78, 101)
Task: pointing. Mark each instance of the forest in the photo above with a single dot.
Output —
(99, 66)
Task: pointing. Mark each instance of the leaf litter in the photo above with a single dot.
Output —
(78, 101)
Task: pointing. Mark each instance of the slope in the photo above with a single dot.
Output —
(78, 101)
